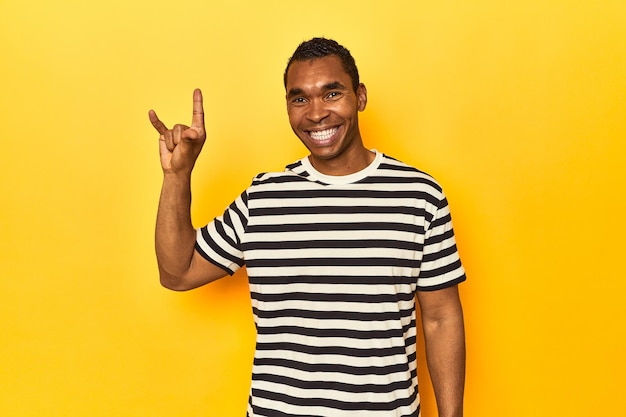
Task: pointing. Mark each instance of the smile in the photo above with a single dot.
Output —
(323, 134)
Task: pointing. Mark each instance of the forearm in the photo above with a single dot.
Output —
(174, 234)
(445, 352)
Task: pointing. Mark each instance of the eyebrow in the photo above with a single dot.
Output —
(335, 85)
(294, 92)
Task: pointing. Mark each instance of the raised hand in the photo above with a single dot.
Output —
(179, 147)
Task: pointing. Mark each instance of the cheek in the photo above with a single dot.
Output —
(294, 118)
(293, 121)
(345, 110)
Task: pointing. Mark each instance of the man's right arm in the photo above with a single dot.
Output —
(181, 267)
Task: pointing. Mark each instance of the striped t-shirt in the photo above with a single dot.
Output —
(334, 264)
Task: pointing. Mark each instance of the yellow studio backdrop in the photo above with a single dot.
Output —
(517, 108)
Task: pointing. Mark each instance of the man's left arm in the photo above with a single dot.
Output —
(444, 334)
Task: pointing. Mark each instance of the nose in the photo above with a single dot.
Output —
(317, 111)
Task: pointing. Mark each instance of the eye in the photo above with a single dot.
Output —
(333, 95)
(298, 101)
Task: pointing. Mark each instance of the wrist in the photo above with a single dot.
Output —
(177, 177)
(454, 412)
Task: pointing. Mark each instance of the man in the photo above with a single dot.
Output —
(337, 248)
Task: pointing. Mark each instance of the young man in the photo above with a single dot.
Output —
(337, 248)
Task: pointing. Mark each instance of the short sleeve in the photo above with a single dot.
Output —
(441, 265)
(219, 242)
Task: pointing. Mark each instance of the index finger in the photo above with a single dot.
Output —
(158, 125)
(197, 119)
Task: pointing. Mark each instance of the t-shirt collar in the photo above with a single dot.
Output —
(315, 175)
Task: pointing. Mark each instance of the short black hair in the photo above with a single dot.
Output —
(320, 48)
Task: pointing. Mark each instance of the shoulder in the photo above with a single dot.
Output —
(275, 178)
(401, 172)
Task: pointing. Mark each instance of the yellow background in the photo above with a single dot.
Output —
(517, 107)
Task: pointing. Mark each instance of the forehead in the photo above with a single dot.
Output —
(317, 72)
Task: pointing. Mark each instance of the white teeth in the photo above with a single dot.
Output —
(323, 134)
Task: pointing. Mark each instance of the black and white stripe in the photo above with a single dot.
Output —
(333, 265)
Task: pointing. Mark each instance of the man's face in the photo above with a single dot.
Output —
(323, 110)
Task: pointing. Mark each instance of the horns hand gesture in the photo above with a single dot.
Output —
(180, 146)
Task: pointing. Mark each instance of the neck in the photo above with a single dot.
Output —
(346, 165)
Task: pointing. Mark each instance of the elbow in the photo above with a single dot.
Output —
(173, 282)
(451, 322)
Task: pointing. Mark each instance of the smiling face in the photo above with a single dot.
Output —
(323, 112)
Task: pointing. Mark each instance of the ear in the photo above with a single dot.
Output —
(361, 96)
